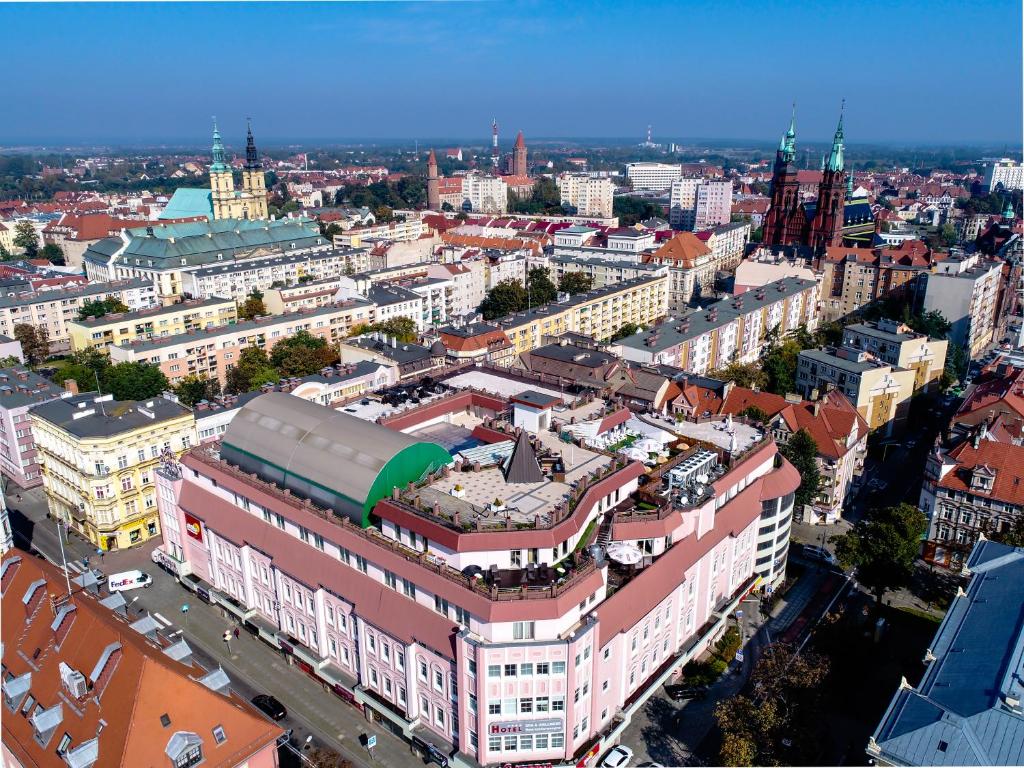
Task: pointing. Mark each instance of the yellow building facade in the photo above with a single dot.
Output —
(250, 202)
(127, 327)
(99, 457)
(598, 313)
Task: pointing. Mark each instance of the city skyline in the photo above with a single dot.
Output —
(445, 69)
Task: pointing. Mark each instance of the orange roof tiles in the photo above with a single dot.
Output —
(139, 685)
(684, 249)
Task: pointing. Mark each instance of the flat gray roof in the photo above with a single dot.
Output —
(828, 357)
(85, 291)
(142, 314)
(91, 415)
(19, 386)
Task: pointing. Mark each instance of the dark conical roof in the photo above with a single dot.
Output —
(522, 466)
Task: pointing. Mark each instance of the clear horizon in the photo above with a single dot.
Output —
(123, 74)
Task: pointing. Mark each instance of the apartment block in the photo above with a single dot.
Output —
(172, 319)
(653, 175)
(305, 294)
(854, 277)
(1005, 172)
(880, 392)
(699, 203)
(410, 228)
(520, 661)
(54, 310)
(966, 291)
(21, 390)
(240, 278)
(589, 195)
(99, 456)
(603, 272)
(899, 346)
(599, 313)
(212, 352)
(727, 330)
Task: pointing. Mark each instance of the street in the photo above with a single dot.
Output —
(253, 666)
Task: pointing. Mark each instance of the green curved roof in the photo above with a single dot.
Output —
(334, 459)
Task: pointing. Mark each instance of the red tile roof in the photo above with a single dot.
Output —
(138, 686)
(1006, 461)
(684, 249)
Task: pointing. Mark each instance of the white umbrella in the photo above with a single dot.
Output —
(632, 452)
(627, 554)
(648, 445)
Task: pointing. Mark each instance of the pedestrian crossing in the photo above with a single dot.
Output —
(77, 566)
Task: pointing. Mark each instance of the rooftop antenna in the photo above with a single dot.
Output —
(99, 391)
(494, 142)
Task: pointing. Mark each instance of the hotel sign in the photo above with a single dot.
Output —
(193, 527)
(547, 725)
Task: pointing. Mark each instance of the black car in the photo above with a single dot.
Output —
(270, 706)
(685, 692)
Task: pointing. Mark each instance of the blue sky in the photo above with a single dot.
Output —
(922, 72)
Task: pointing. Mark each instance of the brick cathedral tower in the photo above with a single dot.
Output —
(827, 226)
(519, 167)
(784, 223)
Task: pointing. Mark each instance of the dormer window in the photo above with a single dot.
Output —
(185, 749)
(982, 479)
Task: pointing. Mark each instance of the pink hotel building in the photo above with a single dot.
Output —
(345, 544)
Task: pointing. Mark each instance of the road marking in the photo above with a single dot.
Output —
(74, 566)
(161, 619)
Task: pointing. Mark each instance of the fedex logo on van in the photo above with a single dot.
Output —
(116, 583)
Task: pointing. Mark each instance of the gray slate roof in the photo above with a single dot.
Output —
(106, 417)
(963, 711)
(19, 386)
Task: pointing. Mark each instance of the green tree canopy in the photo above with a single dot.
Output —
(539, 288)
(192, 388)
(25, 237)
(35, 342)
(506, 297)
(53, 253)
(747, 375)
(134, 381)
(302, 354)
(402, 328)
(624, 330)
(754, 413)
(575, 282)
(251, 371)
(802, 452)
(253, 306)
(883, 547)
(101, 307)
(631, 210)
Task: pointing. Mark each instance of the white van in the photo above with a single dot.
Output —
(121, 582)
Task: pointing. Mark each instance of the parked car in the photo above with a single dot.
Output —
(686, 692)
(122, 582)
(269, 706)
(617, 757)
(650, 764)
(814, 552)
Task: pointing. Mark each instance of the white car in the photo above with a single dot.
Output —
(617, 757)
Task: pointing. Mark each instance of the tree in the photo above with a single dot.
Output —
(53, 253)
(134, 381)
(25, 237)
(631, 210)
(883, 547)
(252, 370)
(754, 413)
(575, 282)
(402, 328)
(321, 757)
(1012, 535)
(8, 361)
(802, 451)
(302, 354)
(35, 342)
(626, 329)
(506, 297)
(101, 307)
(192, 388)
(539, 288)
(747, 375)
(253, 306)
(446, 207)
(948, 234)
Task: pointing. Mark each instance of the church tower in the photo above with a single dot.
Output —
(254, 183)
(433, 185)
(783, 224)
(827, 226)
(222, 184)
(519, 167)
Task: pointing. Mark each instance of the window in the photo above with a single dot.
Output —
(558, 703)
(63, 744)
(423, 670)
(471, 667)
(558, 667)
(510, 670)
(472, 703)
(494, 708)
(525, 706)
(361, 563)
(542, 703)
(189, 756)
(522, 630)
(218, 734)
(526, 669)
(494, 670)
(541, 741)
(494, 743)
(526, 742)
(126, 483)
(557, 740)
(508, 706)
(373, 677)
(510, 743)
(391, 580)
(408, 588)
(438, 680)
(440, 605)
(400, 660)
(439, 716)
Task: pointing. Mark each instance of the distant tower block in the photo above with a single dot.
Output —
(433, 189)
(494, 143)
(519, 167)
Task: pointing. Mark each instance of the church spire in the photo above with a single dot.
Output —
(788, 146)
(218, 151)
(252, 157)
(835, 159)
